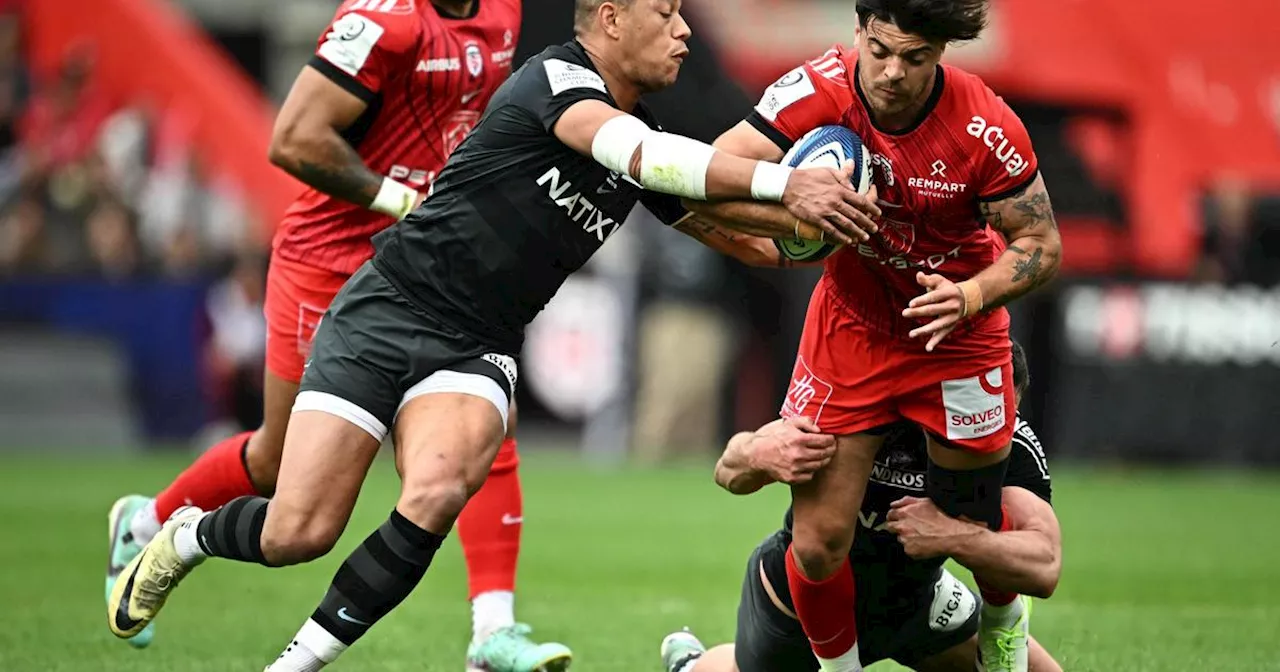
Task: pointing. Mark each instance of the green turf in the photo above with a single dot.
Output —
(1162, 572)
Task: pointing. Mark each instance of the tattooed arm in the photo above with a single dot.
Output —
(1035, 248)
(307, 142)
(750, 250)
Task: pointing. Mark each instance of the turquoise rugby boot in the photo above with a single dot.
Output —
(510, 650)
(121, 548)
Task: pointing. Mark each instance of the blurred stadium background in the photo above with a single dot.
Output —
(137, 206)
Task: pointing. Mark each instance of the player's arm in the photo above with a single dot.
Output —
(742, 229)
(307, 139)
(1035, 248)
(764, 219)
(352, 63)
(1026, 559)
(680, 166)
(785, 451)
(749, 249)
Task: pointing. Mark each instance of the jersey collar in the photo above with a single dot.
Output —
(939, 81)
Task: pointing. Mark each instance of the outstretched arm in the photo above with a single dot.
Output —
(673, 164)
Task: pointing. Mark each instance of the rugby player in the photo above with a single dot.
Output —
(966, 217)
(909, 607)
(390, 92)
(422, 341)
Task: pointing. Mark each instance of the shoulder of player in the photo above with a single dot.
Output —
(393, 27)
(968, 97)
(561, 67)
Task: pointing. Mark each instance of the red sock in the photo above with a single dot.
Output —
(992, 596)
(490, 524)
(825, 608)
(217, 477)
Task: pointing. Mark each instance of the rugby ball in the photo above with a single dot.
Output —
(827, 147)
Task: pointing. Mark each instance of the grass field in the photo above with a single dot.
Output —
(1162, 572)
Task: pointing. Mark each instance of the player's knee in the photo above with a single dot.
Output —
(821, 549)
(290, 539)
(262, 459)
(435, 501)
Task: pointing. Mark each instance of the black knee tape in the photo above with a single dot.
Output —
(974, 494)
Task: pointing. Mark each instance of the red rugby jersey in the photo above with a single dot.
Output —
(426, 78)
(967, 147)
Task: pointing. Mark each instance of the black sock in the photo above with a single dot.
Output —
(974, 493)
(234, 531)
(376, 577)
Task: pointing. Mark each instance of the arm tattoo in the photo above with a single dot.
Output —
(336, 169)
(707, 232)
(1028, 267)
(1036, 210)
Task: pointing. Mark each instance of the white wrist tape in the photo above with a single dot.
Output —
(394, 199)
(769, 181)
(671, 164)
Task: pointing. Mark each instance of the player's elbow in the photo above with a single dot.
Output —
(289, 144)
(1045, 581)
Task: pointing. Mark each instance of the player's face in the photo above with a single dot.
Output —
(653, 39)
(895, 69)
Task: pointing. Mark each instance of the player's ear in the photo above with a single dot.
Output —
(609, 15)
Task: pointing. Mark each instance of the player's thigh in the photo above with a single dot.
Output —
(966, 404)
(936, 634)
(347, 399)
(844, 375)
(768, 640)
(825, 508)
(445, 444)
(451, 422)
(297, 296)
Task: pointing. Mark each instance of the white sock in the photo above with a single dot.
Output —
(144, 525)
(311, 649)
(849, 662)
(491, 612)
(1002, 616)
(185, 542)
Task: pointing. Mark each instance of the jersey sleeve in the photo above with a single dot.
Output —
(1028, 468)
(549, 88)
(363, 49)
(800, 101)
(1008, 162)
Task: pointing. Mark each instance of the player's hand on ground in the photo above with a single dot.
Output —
(791, 451)
(825, 199)
(942, 305)
(924, 530)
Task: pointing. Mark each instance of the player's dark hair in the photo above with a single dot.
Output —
(585, 10)
(939, 21)
(1021, 376)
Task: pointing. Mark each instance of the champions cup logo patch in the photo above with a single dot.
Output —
(808, 394)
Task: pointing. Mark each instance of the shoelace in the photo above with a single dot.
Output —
(151, 592)
(1006, 646)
